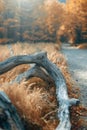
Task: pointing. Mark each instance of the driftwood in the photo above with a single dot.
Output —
(35, 71)
(41, 60)
(9, 119)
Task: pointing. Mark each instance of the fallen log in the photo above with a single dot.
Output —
(35, 71)
(9, 119)
(41, 60)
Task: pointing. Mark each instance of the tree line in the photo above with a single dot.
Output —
(43, 21)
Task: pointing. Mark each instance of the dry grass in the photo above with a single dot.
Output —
(34, 102)
(5, 40)
(26, 48)
(35, 99)
(82, 46)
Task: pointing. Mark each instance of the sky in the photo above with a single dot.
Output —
(63, 1)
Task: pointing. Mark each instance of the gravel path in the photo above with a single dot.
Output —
(77, 63)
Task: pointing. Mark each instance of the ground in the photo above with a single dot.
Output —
(77, 63)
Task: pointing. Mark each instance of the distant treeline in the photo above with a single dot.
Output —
(43, 20)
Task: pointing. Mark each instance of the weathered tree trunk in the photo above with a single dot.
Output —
(9, 119)
(35, 71)
(41, 60)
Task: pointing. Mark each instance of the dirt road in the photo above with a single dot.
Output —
(77, 63)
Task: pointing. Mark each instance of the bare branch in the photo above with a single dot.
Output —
(35, 71)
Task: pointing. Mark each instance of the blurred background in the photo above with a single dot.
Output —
(43, 21)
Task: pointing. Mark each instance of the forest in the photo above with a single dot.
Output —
(43, 20)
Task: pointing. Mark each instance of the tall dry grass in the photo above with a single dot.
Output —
(82, 46)
(35, 99)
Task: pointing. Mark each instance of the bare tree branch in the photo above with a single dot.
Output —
(35, 71)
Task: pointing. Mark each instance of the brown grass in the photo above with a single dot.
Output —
(35, 99)
(34, 102)
(5, 40)
(82, 46)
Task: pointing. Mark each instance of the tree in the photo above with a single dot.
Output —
(1, 5)
(77, 16)
(54, 9)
